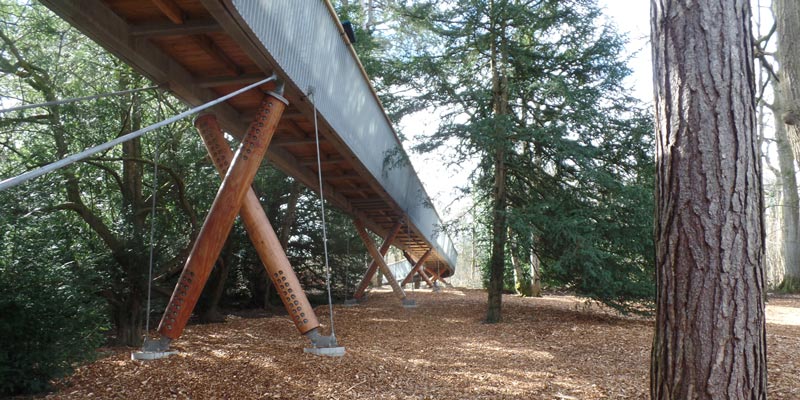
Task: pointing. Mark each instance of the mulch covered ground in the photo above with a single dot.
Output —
(556, 347)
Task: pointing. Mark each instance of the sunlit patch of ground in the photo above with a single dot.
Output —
(556, 347)
(784, 310)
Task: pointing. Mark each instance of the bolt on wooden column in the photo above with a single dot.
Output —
(220, 218)
(377, 257)
(261, 232)
(373, 266)
(417, 268)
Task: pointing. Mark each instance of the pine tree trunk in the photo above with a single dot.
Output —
(127, 318)
(536, 276)
(790, 206)
(215, 288)
(135, 210)
(521, 285)
(499, 234)
(497, 259)
(787, 17)
(710, 340)
(378, 280)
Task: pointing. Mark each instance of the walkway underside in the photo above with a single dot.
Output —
(200, 49)
(203, 49)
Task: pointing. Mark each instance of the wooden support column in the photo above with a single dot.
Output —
(417, 268)
(436, 277)
(373, 266)
(377, 257)
(426, 278)
(421, 270)
(220, 218)
(260, 231)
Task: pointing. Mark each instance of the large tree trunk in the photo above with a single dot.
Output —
(128, 321)
(521, 284)
(133, 286)
(710, 339)
(215, 289)
(536, 275)
(497, 261)
(787, 17)
(790, 205)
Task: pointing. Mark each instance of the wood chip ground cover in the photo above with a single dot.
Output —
(556, 347)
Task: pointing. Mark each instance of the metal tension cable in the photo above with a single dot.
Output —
(14, 181)
(322, 208)
(76, 99)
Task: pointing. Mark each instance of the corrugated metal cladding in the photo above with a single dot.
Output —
(304, 40)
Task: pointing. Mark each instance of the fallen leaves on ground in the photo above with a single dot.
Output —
(556, 347)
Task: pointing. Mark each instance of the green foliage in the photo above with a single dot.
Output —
(48, 325)
(534, 89)
(306, 253)
(106, 197)
(593, 232)
(51, 317)
(789, 285)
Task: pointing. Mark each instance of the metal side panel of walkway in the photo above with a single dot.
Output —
(202, 49)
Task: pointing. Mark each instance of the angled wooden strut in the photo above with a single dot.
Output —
(373, 266)
(378, 258)
(261, 232)
(220, 218)
(417, 268)
(435, 276)
(422, 272)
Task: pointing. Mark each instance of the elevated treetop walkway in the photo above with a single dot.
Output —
(201, 49)
(320, 122)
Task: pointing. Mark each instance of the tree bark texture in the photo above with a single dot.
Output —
(208, 311)
(787, 18)
(536, 276)
(790, 204)
(710, 340)
(521, 285)
(497, 261)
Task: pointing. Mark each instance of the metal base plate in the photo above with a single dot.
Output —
(151, 355)
(409, 303)
(325, 351)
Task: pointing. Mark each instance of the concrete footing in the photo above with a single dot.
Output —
(409, 303)
(325, 351)
(151, 355)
